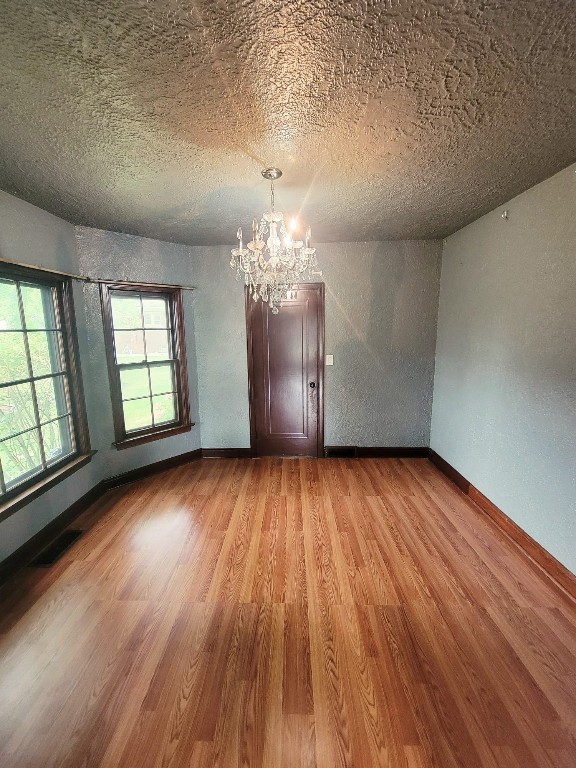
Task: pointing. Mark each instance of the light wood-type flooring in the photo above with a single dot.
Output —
(288, 613)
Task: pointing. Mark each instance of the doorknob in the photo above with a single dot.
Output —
(312, 384)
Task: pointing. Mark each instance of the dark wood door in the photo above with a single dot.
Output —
(285, 368)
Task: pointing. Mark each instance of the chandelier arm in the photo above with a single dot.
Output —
(272, 268)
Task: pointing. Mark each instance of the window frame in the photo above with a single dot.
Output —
(124, 439)
(21, 494)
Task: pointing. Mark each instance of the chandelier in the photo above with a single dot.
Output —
(274, 266)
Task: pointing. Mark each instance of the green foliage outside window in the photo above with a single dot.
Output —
(35, 427)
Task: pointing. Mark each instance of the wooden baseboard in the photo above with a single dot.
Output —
(449, 471)
(226, 453)
(376, 452)
(534, 551)
(340, 451)
(395, 452)
(150, 469)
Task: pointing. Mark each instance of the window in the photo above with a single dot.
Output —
(42, 416)
(144, 331)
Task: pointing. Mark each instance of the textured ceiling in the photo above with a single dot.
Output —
(390, 119)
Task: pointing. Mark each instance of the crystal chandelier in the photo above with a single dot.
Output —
(274, 266)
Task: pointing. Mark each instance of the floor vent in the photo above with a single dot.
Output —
(54, 551)
(340, 452)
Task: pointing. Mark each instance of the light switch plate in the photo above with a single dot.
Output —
(329, 359)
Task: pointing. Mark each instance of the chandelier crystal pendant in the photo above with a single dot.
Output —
(273, 262)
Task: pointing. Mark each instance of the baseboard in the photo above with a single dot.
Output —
(530, 547)
(449, 471)
(340, 451)
(140, 473)
(395, 452)
(376, 452)
(330, 451)
(226, 453)
(30, 549)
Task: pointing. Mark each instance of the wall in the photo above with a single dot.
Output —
(221, 350)
(504, 412)
(29, 235)
(381, 305)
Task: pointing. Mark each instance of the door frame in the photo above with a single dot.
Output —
(248, 305)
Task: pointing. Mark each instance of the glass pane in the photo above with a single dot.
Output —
(162, 378)
(137, 414)
(129, 346)
(20, 457)
(13, 365)
(38, 306)
(134, 382)
(164, 408)
(16, 410)
(44, 352)
(51, 396)
(158, 345)
(9, 313)
(126, 310)
(155, 312)
(58, 440)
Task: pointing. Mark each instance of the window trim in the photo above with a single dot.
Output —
(125, 439)
(17, 497)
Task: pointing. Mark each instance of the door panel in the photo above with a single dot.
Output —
(285, 358)
(286, 414)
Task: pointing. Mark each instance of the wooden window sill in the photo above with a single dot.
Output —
(152, 436)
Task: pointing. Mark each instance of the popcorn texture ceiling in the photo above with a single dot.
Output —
(390, 119)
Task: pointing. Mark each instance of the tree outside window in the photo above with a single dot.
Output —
(42, 423)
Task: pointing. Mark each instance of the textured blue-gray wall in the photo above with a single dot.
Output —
(221, 350)
(32, 236)
(381, 306)
(504, 411)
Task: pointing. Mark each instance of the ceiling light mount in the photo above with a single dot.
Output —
(271, 173)
(273, 267)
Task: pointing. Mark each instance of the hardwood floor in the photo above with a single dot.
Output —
(287, 614)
